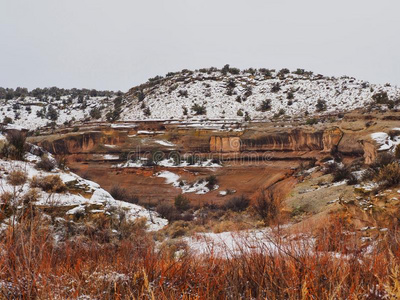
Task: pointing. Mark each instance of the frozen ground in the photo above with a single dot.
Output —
(230, 244)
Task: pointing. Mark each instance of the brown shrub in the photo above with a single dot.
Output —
(16, 145)
(17, 177)
(397, 152)
(45, 164)
(342, 173)
(338, 172)
(267, 206)
(6, 197)
(167, 211)
(62, 162)
(389, 175)
(383, 159)
(50, 184)
(34, 268)
(369, 174)
(31, 196)
(122, 194)
(237, 203)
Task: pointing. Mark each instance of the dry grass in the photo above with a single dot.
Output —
(50, 184)
(17, 177)
(389, 175)
(33, 267)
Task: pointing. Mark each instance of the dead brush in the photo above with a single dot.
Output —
(45, 164)
(17, 177)
(50, 184)
(272, 268)
(389, 175)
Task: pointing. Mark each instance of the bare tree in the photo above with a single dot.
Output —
(266, 205)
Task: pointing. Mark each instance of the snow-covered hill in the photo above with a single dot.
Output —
(255, 93)
(226, 93)
(32, 113)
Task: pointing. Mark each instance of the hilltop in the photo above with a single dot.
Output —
(250, 94)
(205, 94)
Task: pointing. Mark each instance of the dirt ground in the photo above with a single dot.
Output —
(245, 178)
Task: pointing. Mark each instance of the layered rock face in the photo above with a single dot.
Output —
(370, 151)
(80, 143)
(225, 144)
(350, 137)
(282, 140)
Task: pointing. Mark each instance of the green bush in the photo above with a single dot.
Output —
(181, 203)
(312, 121)
(52, 113)
(265, 105)
(199, 109)
(16, 146)
(95, 113)
(276, 87)
(299, 72)
(321, 105)
(381, 98)
(212, 181)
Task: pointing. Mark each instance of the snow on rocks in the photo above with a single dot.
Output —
(384, 141)
(165, 143)
(82, 197)
(200, 187)
(170, 178)
(76, 210)
(170, 163)
(106, 156)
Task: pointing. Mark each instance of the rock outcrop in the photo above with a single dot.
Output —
(302, 139)
(225, 144)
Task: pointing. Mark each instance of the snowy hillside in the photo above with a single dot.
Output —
(22, 182)
(231, 93)
(32, 113)
(226, 93)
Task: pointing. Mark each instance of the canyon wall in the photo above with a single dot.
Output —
(225, 144)
(282, 140)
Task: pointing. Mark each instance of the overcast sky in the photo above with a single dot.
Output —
(117, 44)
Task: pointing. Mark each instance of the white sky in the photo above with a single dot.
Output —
(116, 44)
